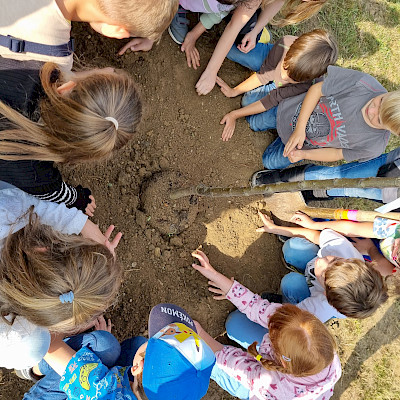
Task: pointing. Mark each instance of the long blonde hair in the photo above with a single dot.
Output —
(73, 127)
(38, 265)
(302, 344)
(295, 11)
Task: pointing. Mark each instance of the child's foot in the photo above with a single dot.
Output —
(27, 374)
(179, 26)
(272, 297)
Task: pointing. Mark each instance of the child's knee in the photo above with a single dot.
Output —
(299, 251)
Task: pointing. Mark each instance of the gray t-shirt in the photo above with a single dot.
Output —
(337, 120)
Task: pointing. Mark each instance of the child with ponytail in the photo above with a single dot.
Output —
(50, 116)
(51, 280)
(296, 355)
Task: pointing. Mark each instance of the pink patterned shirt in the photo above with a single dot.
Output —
(270, 385)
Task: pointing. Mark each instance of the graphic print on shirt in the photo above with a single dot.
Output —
(325, 125)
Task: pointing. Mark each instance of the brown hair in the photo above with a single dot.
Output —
(310, 55)
(142, 18)
(302, 344)
(73, 127)
(295, 11)
(389, 112)
(354, 287)
(38, 265)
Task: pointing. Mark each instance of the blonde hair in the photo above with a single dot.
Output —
(302, 344)
(142, 18)
(310, 55)
(295, 11)
(38, 265)
(73, 127)
(389, 112)
(354, 288)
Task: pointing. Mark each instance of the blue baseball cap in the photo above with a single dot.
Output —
(178, 363)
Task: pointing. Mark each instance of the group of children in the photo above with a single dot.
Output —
(59, 272)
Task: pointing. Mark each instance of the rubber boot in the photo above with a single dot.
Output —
(267, 177)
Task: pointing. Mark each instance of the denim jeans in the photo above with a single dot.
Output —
(351, 170)
(102, 343)
(273, 158)
(297, 252)
(253, 60)
(243, 331)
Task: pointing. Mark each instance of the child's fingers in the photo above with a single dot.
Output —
(222, 297)
(109, 231)
(262, 230)
(264, 217)
(217, 291)
(116, 240)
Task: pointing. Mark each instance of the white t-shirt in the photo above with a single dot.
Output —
(331, 244)
(39, 21)
(22, 344)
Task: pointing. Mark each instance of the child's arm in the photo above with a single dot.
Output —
(346, 228)
(327, 154)
(230, 119)
(270, 227)
(189, 46)
(309, 103)
(269, 12)
(380, 263)
(241, 16)
(214, 345)
(250, 83)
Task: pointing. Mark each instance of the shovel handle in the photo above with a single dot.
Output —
(352, 215)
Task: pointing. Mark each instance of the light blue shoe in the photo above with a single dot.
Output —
(179, 26)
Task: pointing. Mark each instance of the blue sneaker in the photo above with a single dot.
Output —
(179, 26)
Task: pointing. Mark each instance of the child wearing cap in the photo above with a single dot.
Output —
(175, 363)
(296, 355)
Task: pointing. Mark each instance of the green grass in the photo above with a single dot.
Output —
(368, 35)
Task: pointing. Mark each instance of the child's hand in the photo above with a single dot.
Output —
(100, 324)
(230, 124)
(296, 141)
(296, 156)
(248, 42)
(192, 54)
(114, 243)
(225, 88)
(303, 220)
(220, 283)
(268, 223)
(206, 83)
(137, 44)
(395, 250)
(89, 210)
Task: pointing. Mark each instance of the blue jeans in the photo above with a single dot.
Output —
(351, 170)
(253, 60)
(297, 252)
(243, 331)
(273, 158)
(102, 343)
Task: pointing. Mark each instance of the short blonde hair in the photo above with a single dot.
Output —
(38, 265)
(354, 288)
(142, 18)
(389, 112)
(302, 344)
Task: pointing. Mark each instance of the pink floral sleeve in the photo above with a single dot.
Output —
(250, 373)
(252, 305)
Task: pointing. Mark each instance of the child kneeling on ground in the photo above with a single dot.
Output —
(296, 356)
(285, 69)
(331, 278)
(175, 363)
(349, 116)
